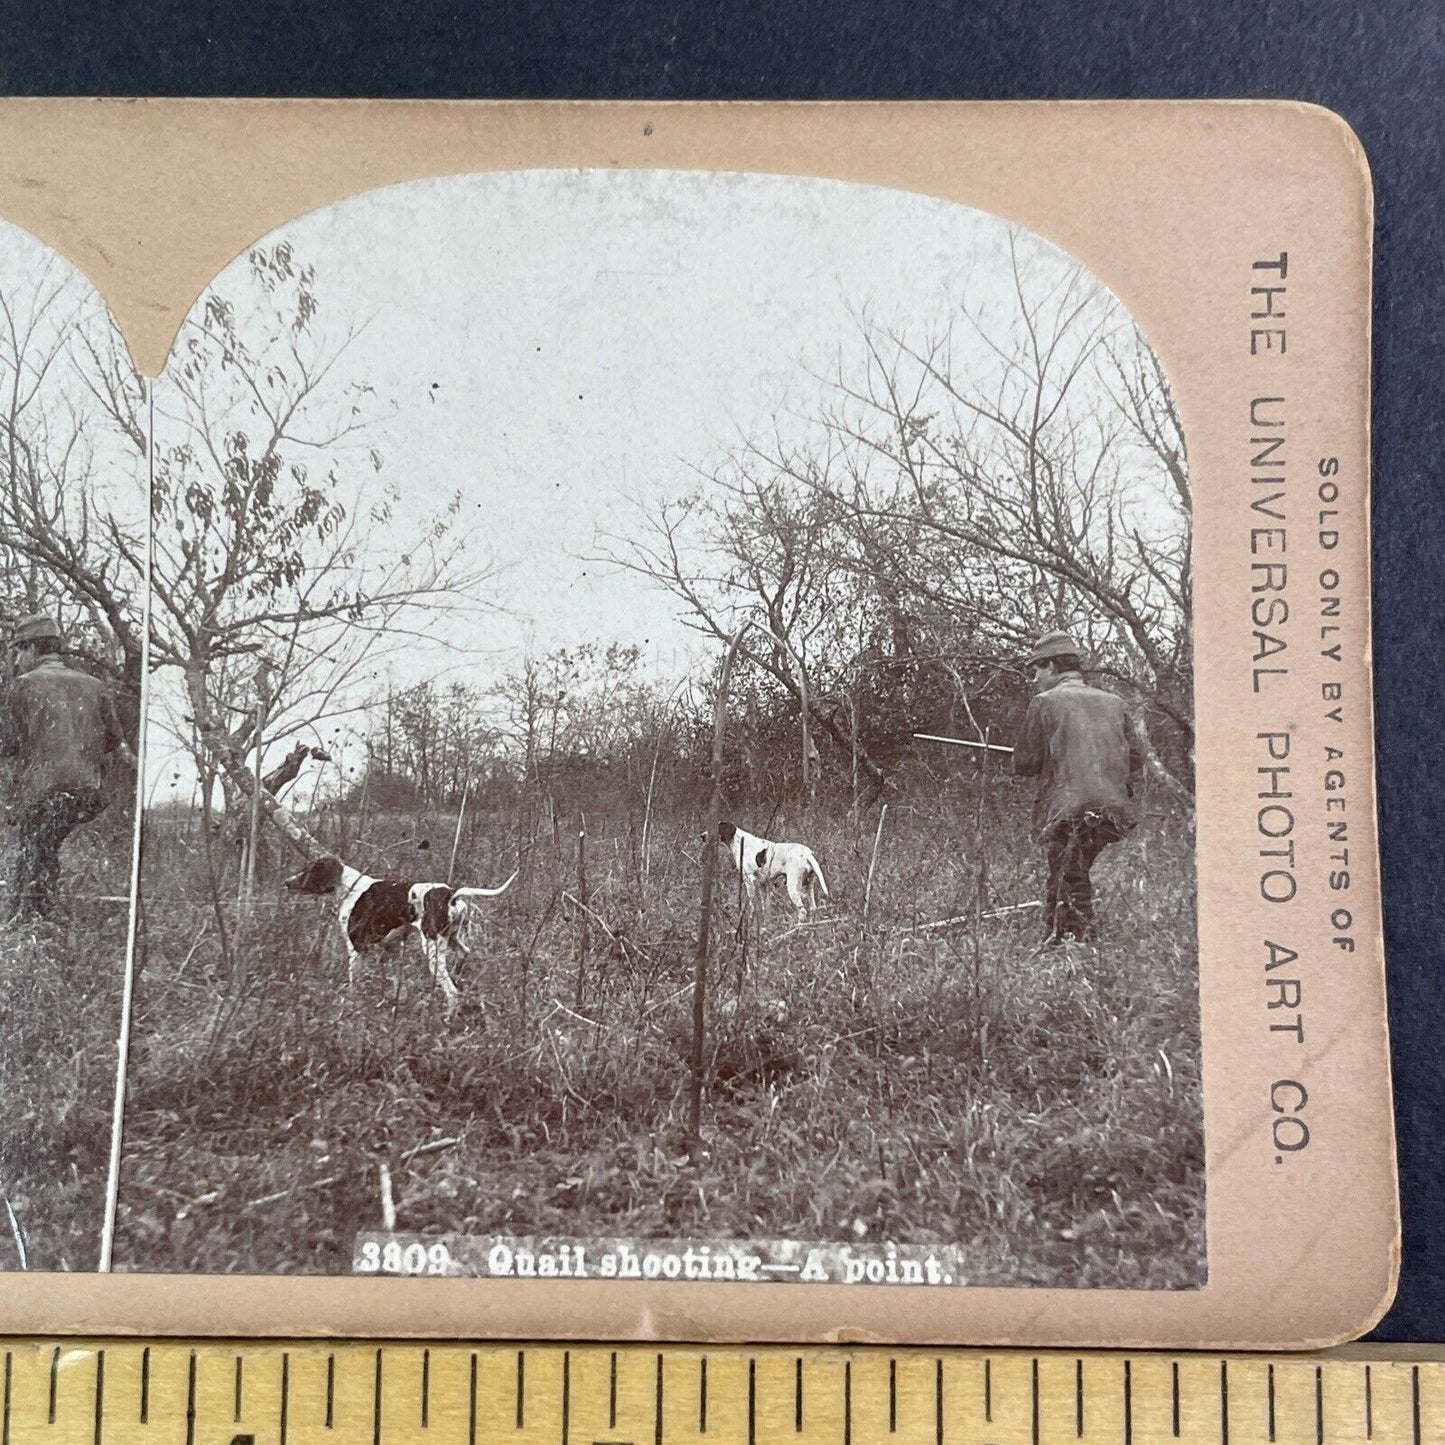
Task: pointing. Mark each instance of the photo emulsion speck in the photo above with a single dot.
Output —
(669, 735)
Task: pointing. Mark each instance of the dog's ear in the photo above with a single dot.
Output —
(321, 875)
(725, 833)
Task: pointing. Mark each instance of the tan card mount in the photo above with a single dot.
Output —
(754, 723)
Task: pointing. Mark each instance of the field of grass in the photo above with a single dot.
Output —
(868, 1079)
(59, 1024)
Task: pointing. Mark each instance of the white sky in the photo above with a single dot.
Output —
(555, 341)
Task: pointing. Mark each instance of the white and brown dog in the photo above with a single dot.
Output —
(376, 911)
(760, 861)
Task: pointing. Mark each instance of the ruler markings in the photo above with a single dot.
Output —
(1407, 1413)
(191, 1400)
(99, 1393)
(566, 1394)
(376, 1403)
(472, 1402)
(285, 1393)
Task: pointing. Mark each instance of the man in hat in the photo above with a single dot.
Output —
(1081, 744)
(59, 725)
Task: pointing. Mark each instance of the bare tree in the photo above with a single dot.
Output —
(1033, 477)
(761, 543)
(1019, 469)
(279, 540)
(72, 501)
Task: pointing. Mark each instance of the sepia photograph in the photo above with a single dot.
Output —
(73, 452)
(669, 748)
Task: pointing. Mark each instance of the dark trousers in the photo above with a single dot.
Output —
(1070, 848)
(44, 826)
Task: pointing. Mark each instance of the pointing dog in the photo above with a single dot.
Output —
(761, 861)
(376, 911)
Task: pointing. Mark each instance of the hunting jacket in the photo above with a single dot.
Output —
(1081, 744)
(58, 725)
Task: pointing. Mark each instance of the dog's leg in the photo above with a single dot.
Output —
(353, 965)
(796, 879)
(437, 966)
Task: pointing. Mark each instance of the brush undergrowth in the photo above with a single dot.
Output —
(867, 1077)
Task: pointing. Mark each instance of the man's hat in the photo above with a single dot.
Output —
(33, 628)
(1052, 644)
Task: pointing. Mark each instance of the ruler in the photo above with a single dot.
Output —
(307, 1393)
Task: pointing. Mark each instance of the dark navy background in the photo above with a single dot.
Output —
(1380, 63)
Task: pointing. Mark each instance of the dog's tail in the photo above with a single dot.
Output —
(818, 873)
(465, 893)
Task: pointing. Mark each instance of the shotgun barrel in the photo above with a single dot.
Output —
(962, 743)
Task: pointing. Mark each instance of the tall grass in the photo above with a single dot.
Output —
(59, 1024)
(867, 1079)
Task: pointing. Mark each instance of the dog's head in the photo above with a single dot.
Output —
(726, 832)
(431, 908)
(321, 875)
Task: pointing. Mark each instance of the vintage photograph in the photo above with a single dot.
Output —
(73, 453)
(669, 728)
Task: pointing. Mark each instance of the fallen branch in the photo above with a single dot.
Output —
(293, 1189)
(433, 1147)
(591, 913)
(557, 1005)
(671, 998)
(968, 917)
